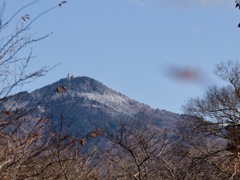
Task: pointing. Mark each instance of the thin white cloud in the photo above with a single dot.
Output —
(201, 2)
(214, 1)
(188, 2)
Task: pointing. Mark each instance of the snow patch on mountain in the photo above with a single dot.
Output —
(115, 101)
(14, 105)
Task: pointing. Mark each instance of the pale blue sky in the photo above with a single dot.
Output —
(129, 44)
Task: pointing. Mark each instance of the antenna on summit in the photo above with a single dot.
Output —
(70, 76)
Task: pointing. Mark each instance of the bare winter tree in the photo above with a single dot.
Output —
(42, 147)
(13, 68)
(218, 115)
(137, 150)
(31, 146)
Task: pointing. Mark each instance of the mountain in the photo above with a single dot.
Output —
(83, 103)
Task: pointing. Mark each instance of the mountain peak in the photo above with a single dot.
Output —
(86, 101)
(77, 84)
(83, 84)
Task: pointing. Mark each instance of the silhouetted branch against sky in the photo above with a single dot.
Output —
(237, 2)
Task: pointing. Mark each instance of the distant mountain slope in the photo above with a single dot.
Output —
(87, 103)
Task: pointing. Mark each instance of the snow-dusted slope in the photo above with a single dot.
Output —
(94, 91)
(86, 102)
